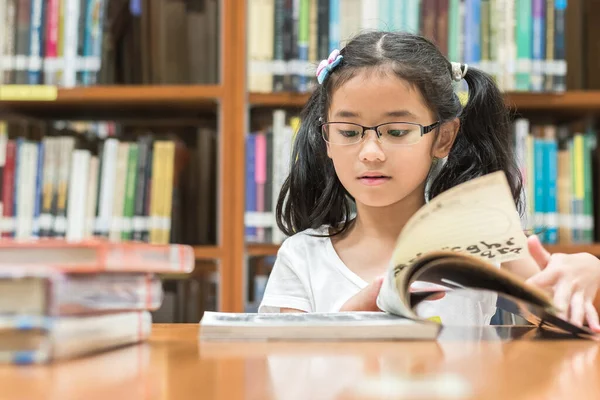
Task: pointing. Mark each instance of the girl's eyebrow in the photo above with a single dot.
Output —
(400, 113)
(346, 113)
(395, 113)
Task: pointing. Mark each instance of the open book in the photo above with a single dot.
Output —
(456, 241)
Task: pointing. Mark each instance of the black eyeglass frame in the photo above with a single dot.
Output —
(424, 129)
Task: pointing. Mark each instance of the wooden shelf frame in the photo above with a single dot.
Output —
(118, 102)
(572, 102)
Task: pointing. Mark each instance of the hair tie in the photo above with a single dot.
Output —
(326, 66)
(458, 72)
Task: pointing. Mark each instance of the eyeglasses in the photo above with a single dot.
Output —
(394, 133)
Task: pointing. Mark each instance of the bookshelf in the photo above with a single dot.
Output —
(155, 104)
(229, 102)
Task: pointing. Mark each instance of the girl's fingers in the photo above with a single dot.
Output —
(538, 252)
(577, 310)
(591, 316)
(562, 298)
(545, 278)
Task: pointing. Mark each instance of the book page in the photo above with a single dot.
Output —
(478, 218)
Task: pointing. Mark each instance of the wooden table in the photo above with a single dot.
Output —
(487, 363)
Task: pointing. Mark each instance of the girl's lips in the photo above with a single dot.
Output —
(374, 180)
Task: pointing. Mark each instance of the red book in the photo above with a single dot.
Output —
(97, 255)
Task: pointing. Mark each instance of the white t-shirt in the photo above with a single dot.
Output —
(308, 275)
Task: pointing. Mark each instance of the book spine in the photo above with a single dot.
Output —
(77, 196)
(36, 42)
(66, 145)
(524, 36)
(334, 25)
(551, 198)
(413, 24)
(148, 192)
(487, 35)
(548, 70)
(70, 37)
(19, 185)
(563, 189)
(441, 25)
(538, 46)
(119, 196)
(39, 178)
(166, 216)
(278, 47)
(540, 211)
(472, 54)
(3, 156)
(48, 187)
(130, 186)
(588, 194)
(579, 189)
(140, 190)
(75, 337)
(92, 198)
(250, 231)
(8, 190)
(559, 83)
(86, 294)
(107, 186)
(22, 39)
(3, 33)
(51, 40)
(454, 31)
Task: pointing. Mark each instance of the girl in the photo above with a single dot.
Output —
(382, 133)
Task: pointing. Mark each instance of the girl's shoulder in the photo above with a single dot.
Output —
(309, 240)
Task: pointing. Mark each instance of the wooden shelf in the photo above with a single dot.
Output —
(208, 252)
(262, 249)
(574, 102)
(593, 248)
(267, 249)
(116, 102)
(282, 99)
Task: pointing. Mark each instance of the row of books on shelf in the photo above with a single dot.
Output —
(558, 164)
(86, 42)
(560, 168)
(521, 43)
(52, 42)
(268, 158)
(60, 300)
(146, 188)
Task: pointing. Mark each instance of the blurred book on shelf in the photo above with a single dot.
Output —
(86, 42)
(559, 165)
(524, 44)
(81, 180)
(268, 161)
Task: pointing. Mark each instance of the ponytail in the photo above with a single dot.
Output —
(484, 143)
(312, 194)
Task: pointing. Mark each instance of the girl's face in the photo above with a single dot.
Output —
(376, 172)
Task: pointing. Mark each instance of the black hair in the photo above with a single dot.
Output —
(313, 196)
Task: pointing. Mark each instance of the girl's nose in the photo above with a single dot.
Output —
(371, 150)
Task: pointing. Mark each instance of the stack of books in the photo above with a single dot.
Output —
(61, 299)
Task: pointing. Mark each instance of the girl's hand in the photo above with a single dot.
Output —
(366, 299)
(574, 280)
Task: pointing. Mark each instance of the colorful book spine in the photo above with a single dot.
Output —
(538, 46)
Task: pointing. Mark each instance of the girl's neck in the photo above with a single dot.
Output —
(386, 223)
